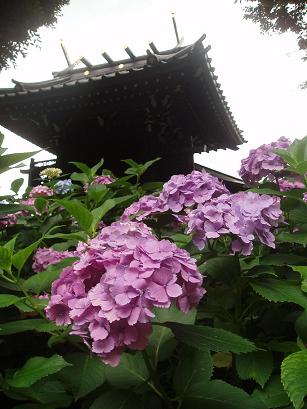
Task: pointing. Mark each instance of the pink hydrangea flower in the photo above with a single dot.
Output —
(41, 191)
(263, 162)
(294, 183)
(46, 256)
(8, 220)
(100, 180)
(109, 295)
(244, 216)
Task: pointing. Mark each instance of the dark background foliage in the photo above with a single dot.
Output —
(19, 22)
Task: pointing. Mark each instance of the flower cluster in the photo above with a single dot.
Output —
(144, 207)
(7, 220)
(62, 187)
(40, 191)
(180, 192)
(196, 187)
(99, 180)
(51, 173)
(109, 295)
(46, 256)
(263, 162)
(244, 215)
(295, 183)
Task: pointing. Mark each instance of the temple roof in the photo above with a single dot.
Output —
(153, 63)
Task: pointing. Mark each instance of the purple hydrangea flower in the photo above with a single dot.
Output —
(294, 183)
(244, 216)
(146, 206)
(196, 187)
(109, 295)
(180, 192)
(46, 256)
(263, 162)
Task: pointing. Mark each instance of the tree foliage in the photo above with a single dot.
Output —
(20, 21)
(280, 16)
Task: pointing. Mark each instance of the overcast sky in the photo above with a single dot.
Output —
(260, 75)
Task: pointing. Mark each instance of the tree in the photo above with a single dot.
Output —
(19, 22)
(280, 16)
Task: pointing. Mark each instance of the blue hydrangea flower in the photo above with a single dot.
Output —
(63, 186)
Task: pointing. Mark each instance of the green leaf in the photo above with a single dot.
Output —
(14, 327)
(83, 167)
(42, 281)
(280, 259)
(278, 290)
(223, 267)
(19, 259)
(80, 236)
(78, 211)
(294, 377)
(80, 177)
(16, 185)
(161, 342)
(214, 339)
(1, 138)
(36, 368)
(50, 393)
(100, 211)
(116, 400)
(5, 259)
(40, 204)
(301, 326)
(194, 365)
(10, 245)
(85, 375)
(218, 395)
(8, 299)
(257, 365)
(9, 208)
(131, 371)
(297, 237)
(273, 395)
(12, 158)
(95, 168)
(97, 192)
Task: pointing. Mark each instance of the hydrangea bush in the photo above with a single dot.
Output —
(116, 294)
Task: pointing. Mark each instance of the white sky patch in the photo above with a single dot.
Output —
(260, 75)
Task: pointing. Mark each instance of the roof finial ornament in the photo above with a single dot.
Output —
(65, 52)
(175, 28)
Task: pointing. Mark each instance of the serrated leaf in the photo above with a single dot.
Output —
(83, 167)
(278, 290)
(36, 368)
(214, 339)
(78, 211)
(131, 371)
(85, 375)
(273, 395)
(95, 168)
(294, 377)
(296, 237)
(194, 365)
(257, 365)
(218, 395)
(51, 394)
(42, 281)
